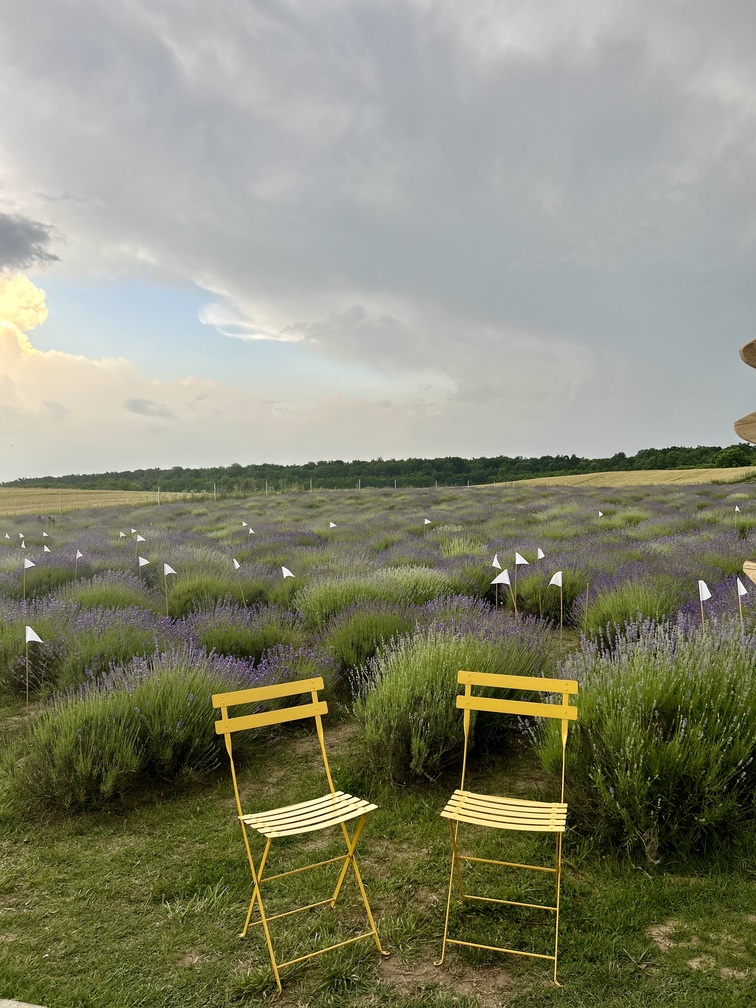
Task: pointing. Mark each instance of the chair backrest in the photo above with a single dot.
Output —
(228, 725)
(524, 708)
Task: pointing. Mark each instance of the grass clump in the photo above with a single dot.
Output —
(610, 608)
(107, 594)
(662, 755)
(150, 722)
(248, 633)
(355, 634)
(406, 697)
(411, 585)
(187, 594)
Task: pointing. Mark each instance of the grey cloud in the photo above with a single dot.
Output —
(148, 407)
(544, 193)
(23, 242)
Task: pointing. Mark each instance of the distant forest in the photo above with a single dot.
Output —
(413, 472)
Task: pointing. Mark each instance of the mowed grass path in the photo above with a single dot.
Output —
(141, 906)
(53, 502)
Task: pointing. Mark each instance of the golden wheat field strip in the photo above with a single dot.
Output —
(52, 502)
(641, 477)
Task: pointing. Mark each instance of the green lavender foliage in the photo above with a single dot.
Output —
(661, 758)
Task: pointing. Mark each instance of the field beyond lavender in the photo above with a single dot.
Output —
(391, 593)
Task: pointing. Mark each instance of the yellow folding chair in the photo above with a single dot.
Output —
(335, 808)
(508, 813)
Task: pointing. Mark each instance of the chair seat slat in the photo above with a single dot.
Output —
(310, 816)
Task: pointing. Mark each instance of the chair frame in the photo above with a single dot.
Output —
(335, 808)
(506, 813)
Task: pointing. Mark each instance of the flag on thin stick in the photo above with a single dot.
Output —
(703, 595)
(540, 554)
(286, 572)
(495, 562)
(331, 524)
(742, 590)
(142, 561)
(556, 579)
(31, 636)
(237, 565)
(502, 578)
(29, 563)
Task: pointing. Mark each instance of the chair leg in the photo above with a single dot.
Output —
(558, 887)
(257, 898)
(350, 859)
(453, 871)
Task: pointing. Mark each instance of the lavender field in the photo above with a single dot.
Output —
(391, 594)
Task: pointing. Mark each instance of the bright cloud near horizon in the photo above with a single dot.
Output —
(339, 229)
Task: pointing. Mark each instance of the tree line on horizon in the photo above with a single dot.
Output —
(413, 472)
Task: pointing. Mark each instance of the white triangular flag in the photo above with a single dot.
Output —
(244, 524)
(237, 565)
(121, 535)
(703, 591)
(140, 538)
(142, 561)
(79, 554)
(21, 535)
(251, 532)
(495, 562)
(601, 514)
(502, 578)
(32, 636)
(426, 521)
(520, 560)
(7, 536)
(23, 544)
(46, 549)
(540, 554)
(737, 508)
(29, 563)
(556, 579)
(742, 590)
(286, 572)
(167, 569)
(45, 535)
(133, 530)
(331, 524)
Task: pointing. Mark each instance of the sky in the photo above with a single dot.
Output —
(293, 230)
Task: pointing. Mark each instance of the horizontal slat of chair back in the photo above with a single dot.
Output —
(517, 682)
(256, 694)
(235, 724)
(551, 710)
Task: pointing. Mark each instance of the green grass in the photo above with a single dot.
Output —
(143, 906)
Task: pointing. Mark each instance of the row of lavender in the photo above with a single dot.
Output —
(122, 685)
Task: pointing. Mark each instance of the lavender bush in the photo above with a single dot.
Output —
(661, 758)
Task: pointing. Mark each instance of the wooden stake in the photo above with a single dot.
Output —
(514, 590)
(700, 602)
(561, 612)
(585, 614)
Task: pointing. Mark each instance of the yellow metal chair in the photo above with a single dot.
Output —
(335, 808)
(508, 813)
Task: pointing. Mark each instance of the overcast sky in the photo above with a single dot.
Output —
(283, 231)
